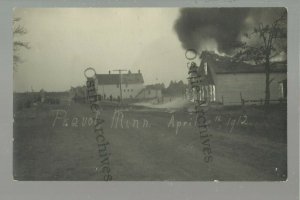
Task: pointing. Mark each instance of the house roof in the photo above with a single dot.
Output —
(205, 79)
(224, 65)
(155, 86)
(111, 79)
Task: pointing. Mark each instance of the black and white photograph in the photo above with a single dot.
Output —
(150, 94)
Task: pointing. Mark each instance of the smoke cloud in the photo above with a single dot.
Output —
(219, 29)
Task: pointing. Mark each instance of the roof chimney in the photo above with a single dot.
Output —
(109, 71)
(139, 71)
(129, 72)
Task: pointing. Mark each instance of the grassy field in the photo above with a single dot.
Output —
(253, 150)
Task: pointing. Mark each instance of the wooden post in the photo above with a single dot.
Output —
(120, 73)
(242, 100)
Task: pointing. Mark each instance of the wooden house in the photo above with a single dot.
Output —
(228, 82)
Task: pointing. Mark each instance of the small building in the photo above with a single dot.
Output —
(151, 92)
(78, 94)
(114, 85)
(228, 82)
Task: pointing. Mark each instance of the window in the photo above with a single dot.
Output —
(283, 89)
(124, 90)
(205, 68)
(149, 91)
(131, 90)
(214, 92)
(127, 90)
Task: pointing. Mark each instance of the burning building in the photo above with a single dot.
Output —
(230, 83)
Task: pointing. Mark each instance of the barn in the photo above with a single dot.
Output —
(118, 85)
(229, 82)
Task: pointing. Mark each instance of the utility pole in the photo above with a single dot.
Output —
(120, 72)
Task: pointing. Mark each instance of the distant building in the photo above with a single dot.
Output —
(78, 94)
(228, 82)
(151, 92)
(42, 95)
(129, 84)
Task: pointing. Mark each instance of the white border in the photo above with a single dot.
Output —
(10, 189)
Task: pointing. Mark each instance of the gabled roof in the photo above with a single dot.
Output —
(224, 65)
(241, 67)
(114, 79)
(208, 80)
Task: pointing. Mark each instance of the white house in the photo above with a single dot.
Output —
(114, 85)
(228, 82)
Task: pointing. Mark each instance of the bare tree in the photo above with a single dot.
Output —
(271, 40)
(18, 30)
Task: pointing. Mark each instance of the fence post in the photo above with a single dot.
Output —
(242, 100)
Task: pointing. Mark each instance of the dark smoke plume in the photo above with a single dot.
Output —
(224, 25)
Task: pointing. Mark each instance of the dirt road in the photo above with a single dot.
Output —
(47, 151)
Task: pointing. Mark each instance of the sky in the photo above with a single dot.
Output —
(65, 41)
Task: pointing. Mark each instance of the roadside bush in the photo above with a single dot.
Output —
(52, 101)
(27, 103)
